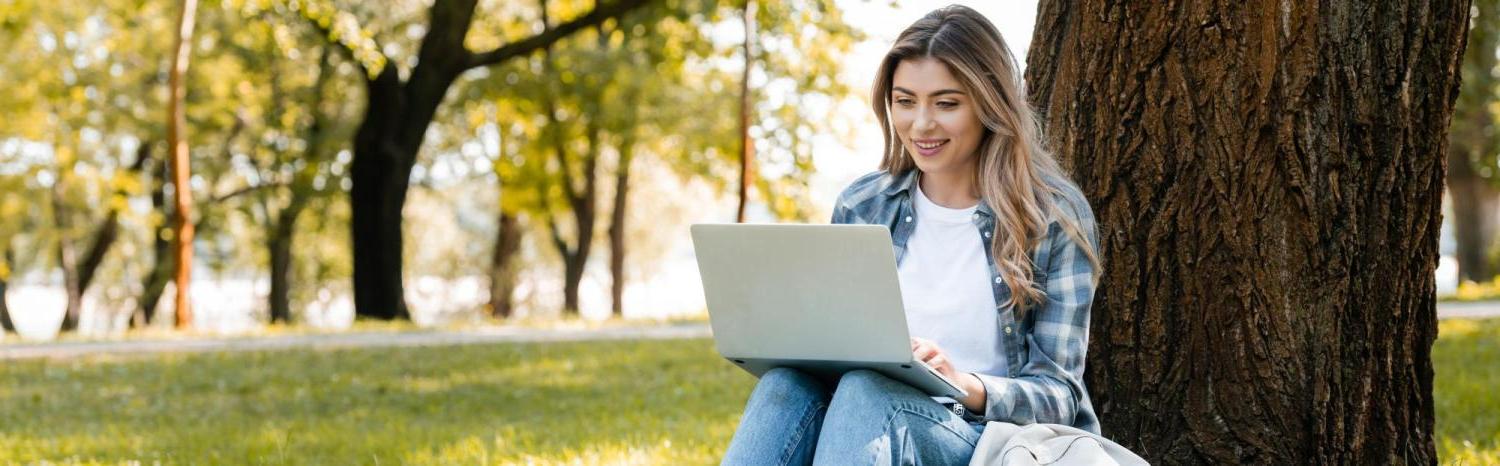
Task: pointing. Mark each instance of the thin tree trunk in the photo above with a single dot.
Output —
(747, 149)
(1267, 178)
(617, 230)
(161, 264)
(5, 323)
(502, 267)
(280, 247)
(1474, 201)
(67, 257)
(108, 232)
(183, 200)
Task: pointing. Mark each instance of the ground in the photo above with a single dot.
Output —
(670, 401)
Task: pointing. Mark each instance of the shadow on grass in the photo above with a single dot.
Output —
(670, 401)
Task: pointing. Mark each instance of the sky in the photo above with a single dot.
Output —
(836, 164)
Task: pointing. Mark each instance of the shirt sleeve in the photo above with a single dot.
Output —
(1049, 387)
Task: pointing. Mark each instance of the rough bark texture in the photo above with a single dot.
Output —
(503, 268)
(1474, 142)
(1267, 179)
(396, 119)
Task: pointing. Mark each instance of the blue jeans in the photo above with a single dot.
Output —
(792, 418)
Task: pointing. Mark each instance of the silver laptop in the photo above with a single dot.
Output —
(824, 299)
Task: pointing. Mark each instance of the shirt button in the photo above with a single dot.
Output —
(1007, 330)
(986, 234)
(908, 219)
(997, 279)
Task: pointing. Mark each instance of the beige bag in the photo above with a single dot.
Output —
(1003, 443)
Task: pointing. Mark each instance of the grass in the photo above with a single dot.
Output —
(649, 402)
(646, 402)
(1474, 291)
(1466, 362)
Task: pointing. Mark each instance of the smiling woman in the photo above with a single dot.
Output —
(995, 255)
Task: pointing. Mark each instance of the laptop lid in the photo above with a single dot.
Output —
(814, 292)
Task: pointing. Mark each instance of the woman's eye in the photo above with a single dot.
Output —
(947, 104)
(905, 102)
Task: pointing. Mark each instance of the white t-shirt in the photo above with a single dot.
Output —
(945, 287)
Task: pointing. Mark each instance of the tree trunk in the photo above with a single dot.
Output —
(109, 230)
(5, 323)
(280, 246)
(67, 258)
(617, 231)
(1267, 178)
(1473, 142)
(747, 150)
(502, 267)
(183, 199)
(1474, 201)
(161, 266)
(396, 119)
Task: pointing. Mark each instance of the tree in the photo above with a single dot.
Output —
(397, 114)
(177, 144)
(1474, 147)
(747, 146)
(6, 326)
(1267, 181)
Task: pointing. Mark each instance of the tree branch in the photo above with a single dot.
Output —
(531, 44)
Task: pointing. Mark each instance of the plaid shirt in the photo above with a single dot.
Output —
(1045, 352)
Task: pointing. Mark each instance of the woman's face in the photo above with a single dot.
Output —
(934, 117)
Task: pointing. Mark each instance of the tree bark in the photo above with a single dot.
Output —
(181, 174)
(1267, 178)
(396, 120)
(502, 266)
(1473, 142)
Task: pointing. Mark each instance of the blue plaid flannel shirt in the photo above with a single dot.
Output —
(1045, 352)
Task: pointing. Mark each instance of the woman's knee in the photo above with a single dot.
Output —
(784, 381)
(863, 386)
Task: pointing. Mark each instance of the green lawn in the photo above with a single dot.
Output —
(657, 402)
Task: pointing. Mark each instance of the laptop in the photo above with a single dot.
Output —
(823, 299)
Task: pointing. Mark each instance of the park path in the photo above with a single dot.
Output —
(489, 335)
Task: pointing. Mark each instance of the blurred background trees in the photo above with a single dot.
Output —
(309, 122)
(1474, 148)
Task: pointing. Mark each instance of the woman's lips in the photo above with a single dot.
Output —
(929, 147)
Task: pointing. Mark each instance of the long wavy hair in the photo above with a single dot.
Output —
(1017, 176)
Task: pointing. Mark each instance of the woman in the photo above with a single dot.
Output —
(996, 259)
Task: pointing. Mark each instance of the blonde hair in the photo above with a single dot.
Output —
(1017, 177)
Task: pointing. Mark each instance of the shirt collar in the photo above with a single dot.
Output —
(903, 183)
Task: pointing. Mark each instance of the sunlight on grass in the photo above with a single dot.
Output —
(620, 402)
(1466, 362)
(651, 402)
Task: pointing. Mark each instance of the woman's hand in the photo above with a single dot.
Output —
(929, 353)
